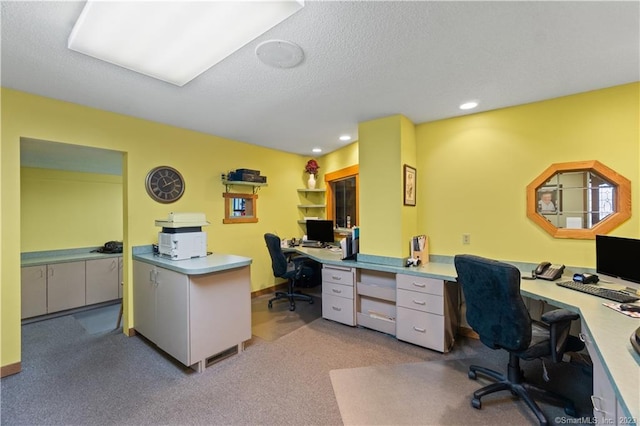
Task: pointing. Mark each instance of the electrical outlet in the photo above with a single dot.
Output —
(466, 238)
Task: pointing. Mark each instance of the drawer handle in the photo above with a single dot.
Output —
(336, 278)
(419, 285)
(593, 402)
(421, 330)
(583, 338)
(335, 308)
(335, 290)
(419, 302)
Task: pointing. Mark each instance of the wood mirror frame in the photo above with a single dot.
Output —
(251, 205)
(622, 202)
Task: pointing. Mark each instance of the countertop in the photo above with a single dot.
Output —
(63, 256)
(215, 262)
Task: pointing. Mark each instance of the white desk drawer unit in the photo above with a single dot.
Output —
(337, 294)
(426, 312)
(420, 301)
(337, 275)
(420, 284)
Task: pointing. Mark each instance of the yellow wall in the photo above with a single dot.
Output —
(380, 186)
(62, 209)
(201, 159)
(473, 171)
(408, 155)
(339, 159)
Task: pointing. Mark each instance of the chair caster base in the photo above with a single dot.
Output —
(476, 403)
(472, 375)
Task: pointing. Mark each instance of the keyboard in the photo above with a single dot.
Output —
(312, 244)
(616, 296)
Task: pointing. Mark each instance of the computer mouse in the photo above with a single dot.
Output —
(629, 307)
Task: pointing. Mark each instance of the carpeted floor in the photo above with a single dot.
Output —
(70, 376)
(404, 394)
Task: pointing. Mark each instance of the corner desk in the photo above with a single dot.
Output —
(421, 305)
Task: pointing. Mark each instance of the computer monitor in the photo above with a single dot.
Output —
(320, 230)
(618, 257)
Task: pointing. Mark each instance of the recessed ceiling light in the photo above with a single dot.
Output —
(173, 41)
(345, 138)
(316, 150)
(469, 105)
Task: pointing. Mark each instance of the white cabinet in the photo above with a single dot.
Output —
(605, 404)
(101, 280)
(427, 312)
(120, 277)
(33, 282)
(338, 294)
(65, 286)
(192, 317)
(55, 287)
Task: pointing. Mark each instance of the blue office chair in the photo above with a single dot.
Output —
(496, 311)
(279, 264)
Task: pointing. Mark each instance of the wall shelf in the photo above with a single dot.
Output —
(255, 186)
(315, 199)
(312, 206)
(311, 190)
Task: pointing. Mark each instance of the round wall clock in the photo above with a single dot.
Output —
(164, 184)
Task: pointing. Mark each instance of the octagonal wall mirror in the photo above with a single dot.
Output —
(579, 199)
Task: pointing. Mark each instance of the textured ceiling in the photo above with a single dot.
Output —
(363, 60)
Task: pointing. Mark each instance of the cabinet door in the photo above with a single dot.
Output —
(604, 397)
(172, 314)
(65, 286)
(33, 281)
(102, 280)
(144, 299)
(120, 278)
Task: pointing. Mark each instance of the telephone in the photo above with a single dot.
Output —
(547, 271)
(111, 247)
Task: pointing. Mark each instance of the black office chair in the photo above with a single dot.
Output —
(279, 264)
(496, 311)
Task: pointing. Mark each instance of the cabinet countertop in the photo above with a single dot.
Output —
(62, 256)
(215, 262)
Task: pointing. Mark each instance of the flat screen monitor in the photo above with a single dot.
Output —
(320, 230)
(618, 257)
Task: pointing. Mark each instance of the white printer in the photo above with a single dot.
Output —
(182, 236)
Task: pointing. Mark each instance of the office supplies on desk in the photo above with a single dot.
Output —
(419, 250)
(586, 278)
(618, 308)
(605, 293)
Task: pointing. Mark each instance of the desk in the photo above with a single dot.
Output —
(607, 331)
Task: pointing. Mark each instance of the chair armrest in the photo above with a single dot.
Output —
(559, 321)
(558, 315)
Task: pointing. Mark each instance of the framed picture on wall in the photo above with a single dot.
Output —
(550, 199)
(409, 185)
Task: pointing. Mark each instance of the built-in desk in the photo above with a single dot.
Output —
(607, 332)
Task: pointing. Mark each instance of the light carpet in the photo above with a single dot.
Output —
(402, 394)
